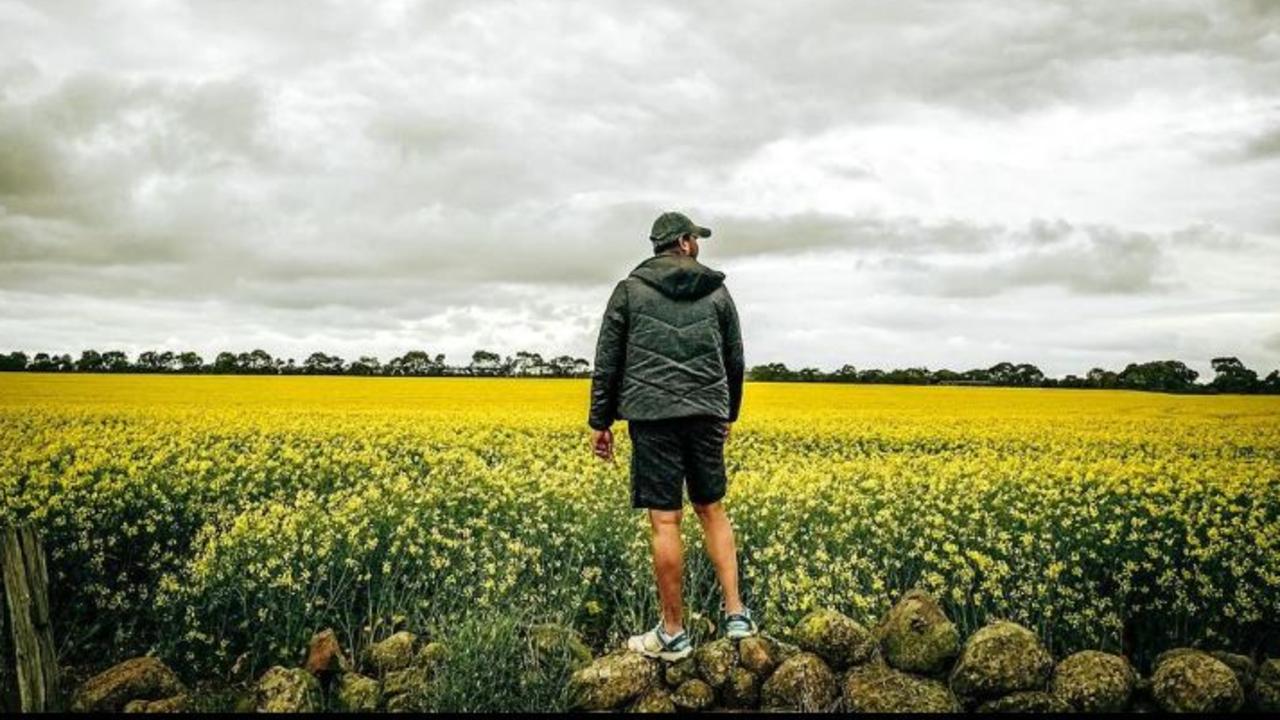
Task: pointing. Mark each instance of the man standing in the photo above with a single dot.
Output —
(669, 361)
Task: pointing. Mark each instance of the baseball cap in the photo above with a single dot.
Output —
(674, 224)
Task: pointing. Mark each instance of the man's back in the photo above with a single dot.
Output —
(670, 346)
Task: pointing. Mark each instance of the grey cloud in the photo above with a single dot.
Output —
(1084, 260)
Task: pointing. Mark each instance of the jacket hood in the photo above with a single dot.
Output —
(679, 277)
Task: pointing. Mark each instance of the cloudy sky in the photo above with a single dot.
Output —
(947, 183)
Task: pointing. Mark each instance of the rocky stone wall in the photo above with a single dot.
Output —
(913, 660)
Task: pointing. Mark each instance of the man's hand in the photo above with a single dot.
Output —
(728, 427)
(602, 444)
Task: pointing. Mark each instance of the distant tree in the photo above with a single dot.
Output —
(153, 361)
(1102, 379)
(255, 362)
(1271, 385)
(484, 362)
(1163, 375)
(416, 363)
(871, 375)
(90, 361)
(1072, 381)
(225, 364)
(529, 364)
(944, 376)
(42, 363)
(846, 373)
(115, 361)
(907, 376)
(771, 372)
(1231, 376)
(319, 363)
(366, 365)
(565, 365)
(190, 362)
(15, 361)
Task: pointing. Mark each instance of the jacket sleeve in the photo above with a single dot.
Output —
(734, 360)
(606, 375)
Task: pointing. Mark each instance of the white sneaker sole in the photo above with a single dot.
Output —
(740, 634)
(669, 656)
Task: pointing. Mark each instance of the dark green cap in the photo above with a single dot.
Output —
(672, 225)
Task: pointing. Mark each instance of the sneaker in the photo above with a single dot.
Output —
(658, 644)
(740, 625)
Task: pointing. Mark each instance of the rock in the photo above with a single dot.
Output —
(1196, 682)
(916, 636)
(354, 692)
(803, 682)
(1242, 665)
(1000, 659)
(715, 660)
(142, 678)
(742, 690)
(1093, 682)
(412, 679)
(393, 653)
(289, 690)
(1026, 701)
(324, 655)
(433, 655)
(1170, 654)
(656, 700)
(679, 671)
(612, 680)
(551, 642)
(175, 704)
(836, 638)
(1266, 687)
(694, 695)
(780, 650)
(756, 654)
(878, 688)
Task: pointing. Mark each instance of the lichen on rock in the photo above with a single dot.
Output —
(141, 678)
(1093, 681)
(1195, 681)
(1026, 701)
(694, 695)
(353, 692)
(287, 690)
(999, 659)
(879, 688)
(917, 636)
(393, 653)
(612, 680)
(803, 682)
(838, 639)
(715, 660)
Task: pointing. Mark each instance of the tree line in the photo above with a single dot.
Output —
(415, 363)
(1230, 375)
(1173, 376)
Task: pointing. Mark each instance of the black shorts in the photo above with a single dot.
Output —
(665, 454)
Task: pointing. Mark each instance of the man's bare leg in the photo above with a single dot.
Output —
(668, 567)
(718, 534)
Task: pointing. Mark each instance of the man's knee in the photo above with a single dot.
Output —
(665, 520)
(709, 511)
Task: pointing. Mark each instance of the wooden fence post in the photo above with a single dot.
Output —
(30, 637)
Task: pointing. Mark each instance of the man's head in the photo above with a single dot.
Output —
(676, 234)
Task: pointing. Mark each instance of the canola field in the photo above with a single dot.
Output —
(215, 518)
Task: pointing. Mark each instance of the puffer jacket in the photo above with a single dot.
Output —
(670, 346)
